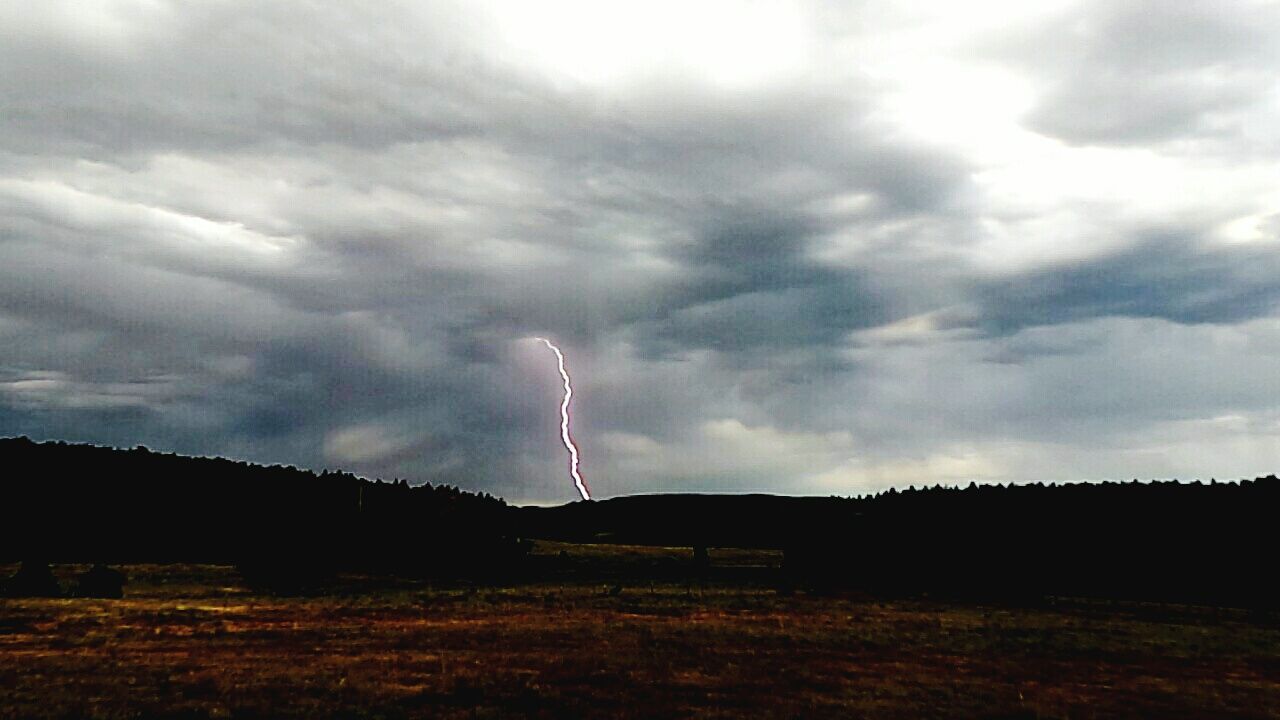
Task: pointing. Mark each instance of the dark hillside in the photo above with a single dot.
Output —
(81, 503)
(1186, 542)
(688, 519)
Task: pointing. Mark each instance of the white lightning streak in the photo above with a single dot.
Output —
(569, 445)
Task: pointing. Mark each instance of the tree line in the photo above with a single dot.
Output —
(82, 503)
(1200, 542)
(1203, 542)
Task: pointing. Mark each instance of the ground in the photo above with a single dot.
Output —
(191, 641)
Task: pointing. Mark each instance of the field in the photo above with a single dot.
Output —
(192, 642)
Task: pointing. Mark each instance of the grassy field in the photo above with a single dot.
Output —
(192, 642)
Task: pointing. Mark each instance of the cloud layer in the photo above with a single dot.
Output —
(785, 248)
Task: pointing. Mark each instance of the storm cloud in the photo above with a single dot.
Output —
(785, 248)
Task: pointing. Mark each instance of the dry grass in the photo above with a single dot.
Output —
(189, 641)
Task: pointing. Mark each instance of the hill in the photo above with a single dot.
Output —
(81, 503)
(1186, 542)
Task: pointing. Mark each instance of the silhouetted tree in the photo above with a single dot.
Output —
(99, 581)
(33, 579)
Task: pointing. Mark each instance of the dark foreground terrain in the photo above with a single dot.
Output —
(192, 641)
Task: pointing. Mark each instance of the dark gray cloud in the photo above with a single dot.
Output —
(142, 80)
(1169, 278)
(323, 235)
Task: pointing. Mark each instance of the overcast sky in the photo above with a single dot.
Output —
(785, 247)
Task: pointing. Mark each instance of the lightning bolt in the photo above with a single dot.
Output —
(567, 438)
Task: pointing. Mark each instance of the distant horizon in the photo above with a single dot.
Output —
(570, 500)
